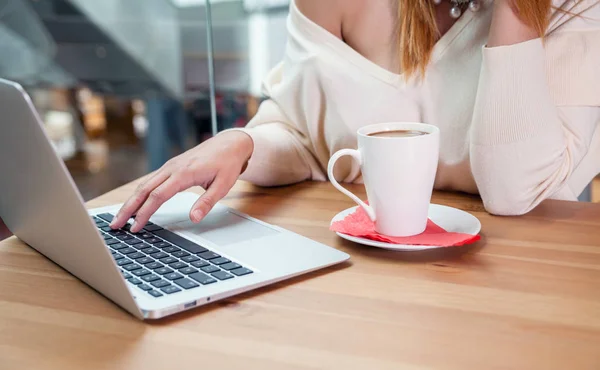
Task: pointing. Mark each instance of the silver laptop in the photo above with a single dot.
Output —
(171, 266)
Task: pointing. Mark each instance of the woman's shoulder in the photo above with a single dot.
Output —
(570, 15)
(325, 14)
(331, 15)
(572, 54)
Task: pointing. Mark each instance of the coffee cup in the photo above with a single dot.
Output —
(398, 161)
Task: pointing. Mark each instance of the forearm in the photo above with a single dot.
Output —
(277, 158)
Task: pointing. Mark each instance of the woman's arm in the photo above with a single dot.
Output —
(523, 147)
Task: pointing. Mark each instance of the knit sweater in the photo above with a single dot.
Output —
(519, 124)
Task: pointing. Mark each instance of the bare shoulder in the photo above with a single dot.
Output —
(329, 14)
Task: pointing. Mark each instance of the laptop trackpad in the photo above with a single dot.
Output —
(222, 227)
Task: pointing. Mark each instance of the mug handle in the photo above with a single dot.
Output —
(358, 158)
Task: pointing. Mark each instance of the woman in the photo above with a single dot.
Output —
(518, 114)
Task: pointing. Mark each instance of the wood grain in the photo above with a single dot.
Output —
(527, 296)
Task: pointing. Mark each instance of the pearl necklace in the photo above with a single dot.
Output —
(459, 5)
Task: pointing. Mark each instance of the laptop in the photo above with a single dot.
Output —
(172, 265)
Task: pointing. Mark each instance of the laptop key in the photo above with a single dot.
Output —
(150, 250)
(125, 275)
(154, 240)
(117, 256)
(200, 263)
(127, 250)
(133, 241)
(188, 270)
(150, 278)
(190, 259)
(222, 275)
(186, 283)
(180, 254)
(163, 270)
(143, 260)
(106, 236)
(154, 265)
(144, 287)
(124, 237)
(159, 255)
(136, 255)
(139, 246)
(140, 272)
(134, 281)
(160, 283)
(241, 271)
(230, 266)
(106, 229)
(171, 249)
(131, 267)
(170, 289)
(210, 269)
(145, 235)
(155, 293)
(173, 276)
(163, 245)
(123, 262)
(118, 246)
(219, 261)
(180, 241)
(117, 232)
(209, 255)
(168, 260)
(152, 227)
(177, 265)
(111, 241)
(106, 217)
(203, 278)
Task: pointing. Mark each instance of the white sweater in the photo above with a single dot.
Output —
(519, 124)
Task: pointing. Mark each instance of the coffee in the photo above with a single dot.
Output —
(398, 133)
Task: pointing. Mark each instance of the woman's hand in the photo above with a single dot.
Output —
(507, 28)
(214, 165)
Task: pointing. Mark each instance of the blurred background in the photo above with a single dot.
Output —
(124, 85)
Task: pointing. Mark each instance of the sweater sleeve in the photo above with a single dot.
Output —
(524, 142)
(287, 131)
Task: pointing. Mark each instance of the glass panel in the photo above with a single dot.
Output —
(249, 39)
(109, 80)
(124, 85)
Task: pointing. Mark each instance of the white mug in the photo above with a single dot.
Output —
(398, 173)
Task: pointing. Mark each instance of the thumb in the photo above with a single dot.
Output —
(215, 192)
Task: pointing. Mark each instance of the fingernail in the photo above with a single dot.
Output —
(134, 227)
(198, 214)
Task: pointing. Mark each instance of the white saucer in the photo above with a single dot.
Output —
(450, 219)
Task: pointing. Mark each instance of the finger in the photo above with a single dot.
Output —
(215, 192)
(137, 199)
(156, 198)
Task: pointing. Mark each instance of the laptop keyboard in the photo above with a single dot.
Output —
(161, 262)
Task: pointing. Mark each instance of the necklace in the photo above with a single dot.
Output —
(458, 6)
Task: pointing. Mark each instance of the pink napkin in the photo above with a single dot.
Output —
(360, 225)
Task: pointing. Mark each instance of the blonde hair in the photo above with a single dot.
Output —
(417, 30)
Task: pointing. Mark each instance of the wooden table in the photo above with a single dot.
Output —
(527, 296)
